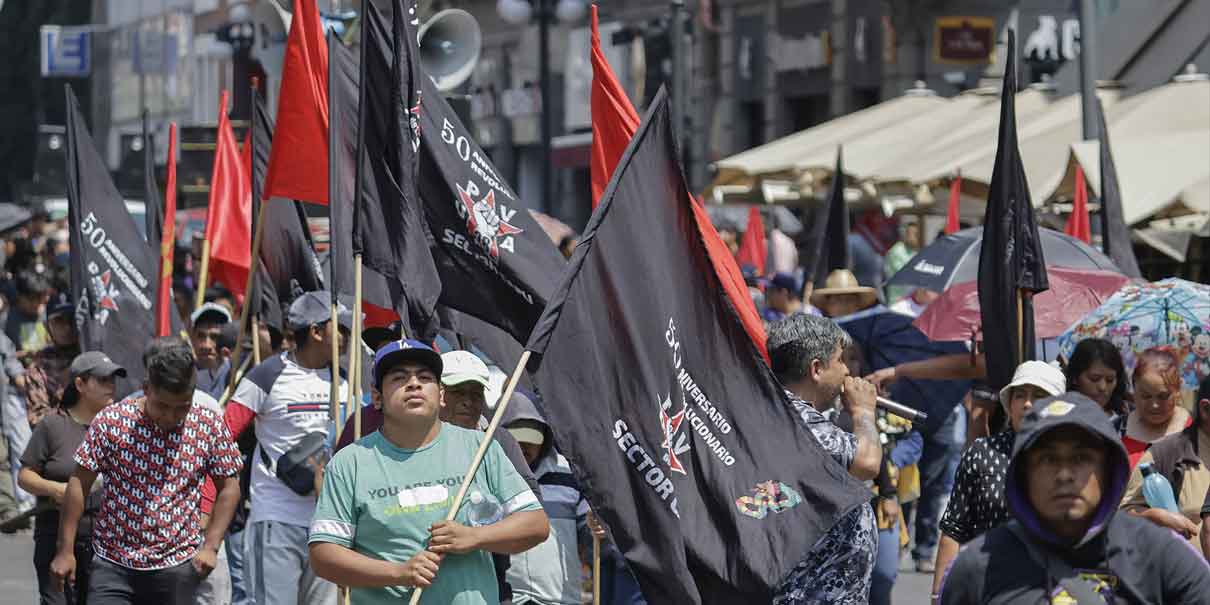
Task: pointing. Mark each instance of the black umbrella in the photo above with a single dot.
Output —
(954, 259)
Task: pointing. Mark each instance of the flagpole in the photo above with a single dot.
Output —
(1020, 326)
(334, 393)
(501, 406)
(355, 349)
(248, 302)
(596, 570)
(256, 340)
(203, 275)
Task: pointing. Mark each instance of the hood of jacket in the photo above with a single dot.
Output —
(522, 407)
(1049, 414)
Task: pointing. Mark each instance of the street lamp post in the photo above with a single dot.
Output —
(520, 12)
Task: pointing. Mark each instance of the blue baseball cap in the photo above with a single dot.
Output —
(405, 350)
(784, 281)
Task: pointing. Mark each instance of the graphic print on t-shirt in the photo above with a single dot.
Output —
(290, 402)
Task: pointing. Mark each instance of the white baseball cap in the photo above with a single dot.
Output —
(463, 366)
(1039, 374)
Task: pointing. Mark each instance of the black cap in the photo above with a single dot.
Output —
(88, 363)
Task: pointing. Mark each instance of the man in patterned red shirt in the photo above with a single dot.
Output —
(155, 453)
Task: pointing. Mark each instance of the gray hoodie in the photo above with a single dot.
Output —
(1129, 559)
(549, 573)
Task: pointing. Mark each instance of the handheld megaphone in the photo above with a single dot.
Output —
(450, 43)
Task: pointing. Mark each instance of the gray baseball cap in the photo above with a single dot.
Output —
(95, 363)
(88, 363)
(216, 312)
(315, 308)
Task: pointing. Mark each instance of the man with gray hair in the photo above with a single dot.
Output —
(805, 354)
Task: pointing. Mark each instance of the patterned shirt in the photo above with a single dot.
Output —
(977, 503)
(836, 571)
(45, 380)
(153, 480)
(841, 444)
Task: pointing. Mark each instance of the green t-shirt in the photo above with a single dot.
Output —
(380, 501)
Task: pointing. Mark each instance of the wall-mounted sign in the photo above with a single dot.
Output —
(65, 51)
(964, 40)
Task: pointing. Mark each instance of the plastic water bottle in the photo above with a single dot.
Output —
(1156, 489)
(482, 509)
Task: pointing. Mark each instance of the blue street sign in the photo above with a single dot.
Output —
(66, 51)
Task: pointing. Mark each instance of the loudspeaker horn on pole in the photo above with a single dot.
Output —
(450, 43)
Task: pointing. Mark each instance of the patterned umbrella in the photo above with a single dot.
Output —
(1173, 313)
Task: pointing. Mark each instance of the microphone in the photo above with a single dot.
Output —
(901, 410)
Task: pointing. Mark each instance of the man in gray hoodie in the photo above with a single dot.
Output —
(1066, 544)
(549, 573)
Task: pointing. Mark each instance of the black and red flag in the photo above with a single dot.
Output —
(495, 262)
(1011, 265)
(287, 255)
(160, 223)
(113, 270)
(711, 486)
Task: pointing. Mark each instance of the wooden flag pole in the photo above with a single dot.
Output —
(256, 359)
(596, 570)
(202, 275)
(501, 406)
(355, 350)
(248, 302)
(1020, 326)
(334, 406)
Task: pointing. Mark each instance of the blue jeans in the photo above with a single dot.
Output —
(235, 563)
(618, 586)
(886, 566)
(938, 464)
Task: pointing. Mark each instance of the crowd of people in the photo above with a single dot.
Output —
(219, 485)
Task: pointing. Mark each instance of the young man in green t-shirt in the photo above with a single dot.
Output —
(379, 526)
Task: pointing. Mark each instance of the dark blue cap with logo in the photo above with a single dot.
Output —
(405, 350)
(784, 281)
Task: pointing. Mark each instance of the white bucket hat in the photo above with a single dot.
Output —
(1035, 373)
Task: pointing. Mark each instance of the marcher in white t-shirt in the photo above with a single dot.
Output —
(287, 399)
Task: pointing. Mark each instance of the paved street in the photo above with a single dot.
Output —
(18, 585)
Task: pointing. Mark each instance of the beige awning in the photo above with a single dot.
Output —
(962, 146)
(776, 160)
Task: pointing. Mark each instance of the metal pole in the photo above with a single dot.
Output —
(544, 16)
(1088, 71)
(677, 30)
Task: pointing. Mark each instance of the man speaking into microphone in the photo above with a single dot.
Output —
(805, 354)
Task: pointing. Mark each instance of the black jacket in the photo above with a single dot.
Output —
(1131, 559)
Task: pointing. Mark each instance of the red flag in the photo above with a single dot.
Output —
(164, 303)
(951, 219)
(614, 122)
(1077, 223)
(752, 248)
(298, 164)
(229, 217)
(611, 134)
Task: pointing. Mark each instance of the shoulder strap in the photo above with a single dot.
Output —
(1057, 569)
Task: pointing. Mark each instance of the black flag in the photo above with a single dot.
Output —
(1011, 265)
(832, 228)
(342, 180)
(834, 238)
(495, 262)
(686, 446)
(1115, 233)
(153, 207)
(288, 262)
(113, 271)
